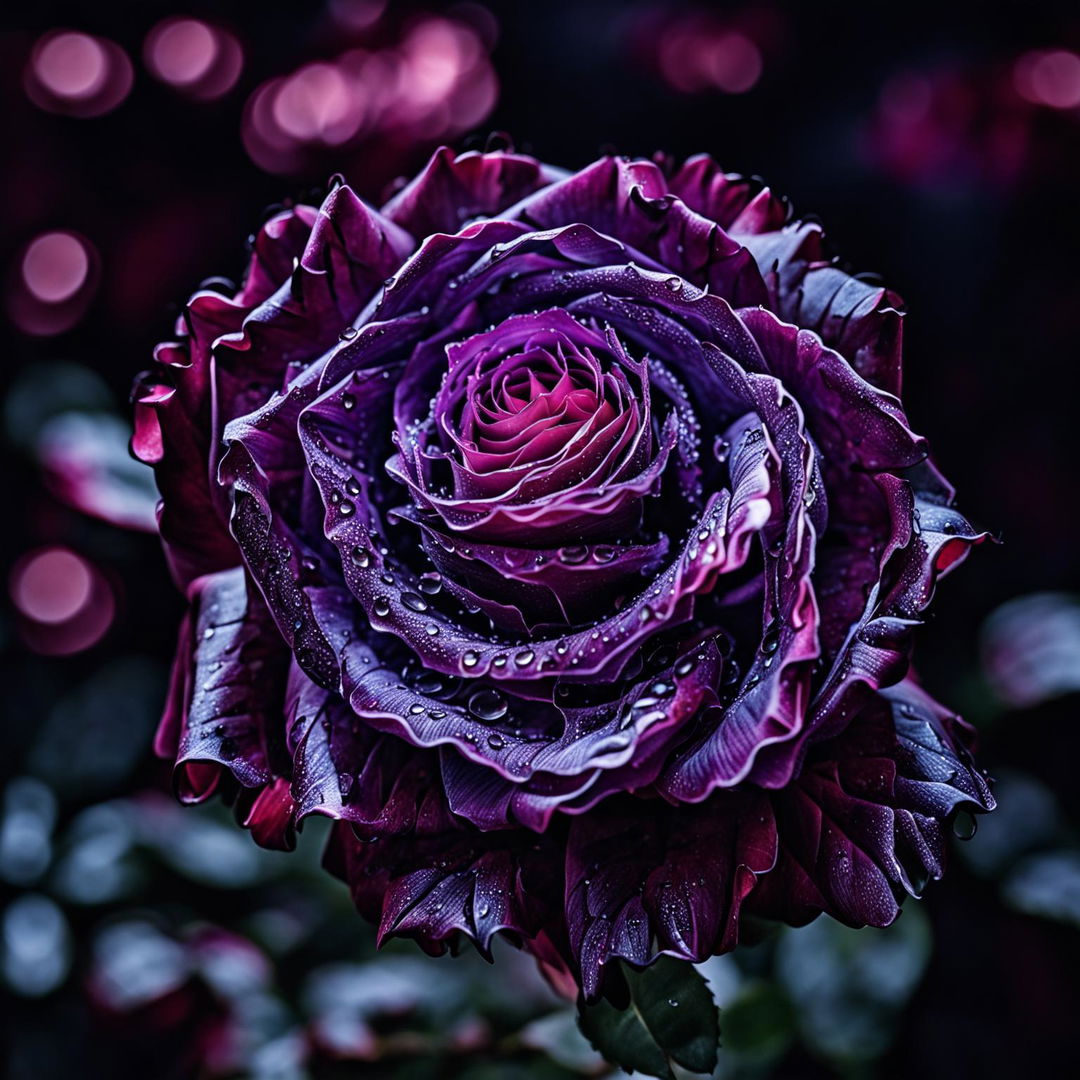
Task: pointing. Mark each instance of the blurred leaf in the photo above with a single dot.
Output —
(45, 390)
(1046, 885)
(93, 738)
(1031, 648)
(86, 463)
(760, 1024)
(26, 823)
(1027, 817)
(849, 986)
(671, 1018)
(558, 1036)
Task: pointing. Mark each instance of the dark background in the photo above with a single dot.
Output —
(902, 128)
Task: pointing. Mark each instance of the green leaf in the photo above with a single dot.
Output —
(671, 1019)
(759, 1025)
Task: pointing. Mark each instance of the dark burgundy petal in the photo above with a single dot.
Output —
(264, 470)
(866, 819)
(271, 816)
(350, 251)
(851, 420)
(345, 770)
(455, 883)
(732, 201)
(855, 316)
(858, 318)
(670, 881)
(174, 404)
(630, 200)
(276, 247)
(226, 696)
(770, 704)
(452, 189)
(930, 538)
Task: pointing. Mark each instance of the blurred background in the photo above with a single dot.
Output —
(146, 140)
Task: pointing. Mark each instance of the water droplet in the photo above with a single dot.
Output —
(770, 641)
(603, 553)
(381, 606)
(524, 658)
(470, 658)
(349, 333)
(430, 583)
(415, 709)
(488, 705)
(576, 553)
(348, 402)
(345, 782)
(430, 683)
(414, 602)
(964, 825)
(346, 509)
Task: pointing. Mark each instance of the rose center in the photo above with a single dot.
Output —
(529, 407)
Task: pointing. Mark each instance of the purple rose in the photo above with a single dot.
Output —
(562, 537)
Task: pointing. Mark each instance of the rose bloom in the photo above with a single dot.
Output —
(561, 537)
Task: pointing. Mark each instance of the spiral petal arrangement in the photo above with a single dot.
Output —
(562, 537)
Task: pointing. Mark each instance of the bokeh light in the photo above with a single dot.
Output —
(197, 59)
(692, 60)
(35, 945)
(1049, 77)
(53, 586)
(77, 74)
(65, 602)
(53, 283)
(950, 125)
(356, 15)
(55, 267)
(434, 83)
